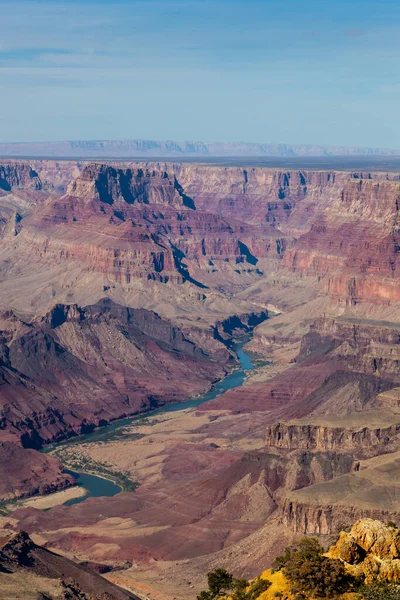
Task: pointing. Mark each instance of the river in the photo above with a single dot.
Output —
(98, 486)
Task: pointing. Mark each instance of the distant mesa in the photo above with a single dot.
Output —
(142, 148)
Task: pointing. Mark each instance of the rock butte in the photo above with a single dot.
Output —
(119, 287)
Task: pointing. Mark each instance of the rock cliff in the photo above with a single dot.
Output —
(19, 175)
(363, 441)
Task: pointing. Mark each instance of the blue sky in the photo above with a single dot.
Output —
(294, 71)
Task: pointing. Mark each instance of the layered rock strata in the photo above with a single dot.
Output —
(75, 368)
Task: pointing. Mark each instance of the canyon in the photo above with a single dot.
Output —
(122, 286)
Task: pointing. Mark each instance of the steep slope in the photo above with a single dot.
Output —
(28, 572)
(79, 367)
(26, 472)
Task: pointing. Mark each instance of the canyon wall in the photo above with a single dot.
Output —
(177, 223)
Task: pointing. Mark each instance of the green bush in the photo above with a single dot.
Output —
(380, 591)
(221, 582)
(257, 587)
(205, 596)
(239, 589)
(309, 572)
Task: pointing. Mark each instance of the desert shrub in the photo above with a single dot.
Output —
(309, 572)
(239, 589)
(204, 595)
(221, 582)
(380, 590)
(257, 587)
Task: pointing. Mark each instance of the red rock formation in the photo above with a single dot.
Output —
(33, 569)
(171, 222)
(353, 243)
(25, 472)
(362, 441)
(200, 511)
(76, 368)
(18, 175)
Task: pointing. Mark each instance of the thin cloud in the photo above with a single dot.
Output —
(355, 32)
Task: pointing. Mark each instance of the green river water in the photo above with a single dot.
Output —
(99, 486)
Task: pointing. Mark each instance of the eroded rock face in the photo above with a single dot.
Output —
(363, 441)
(130, 223)
(370, 548)
(117, 185)
(19, 175)
(368, 346)
(327, 519)
(192, 223)
(352, 243)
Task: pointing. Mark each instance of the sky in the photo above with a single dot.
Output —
(272, 71)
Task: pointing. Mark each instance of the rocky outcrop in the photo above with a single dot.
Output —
(299, 469)
(19, 175)
(33, 571)
(365, 346)
(360, 333)
(370, 550)
(128, 185)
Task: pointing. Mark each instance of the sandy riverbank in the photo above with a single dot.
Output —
(50, 500)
